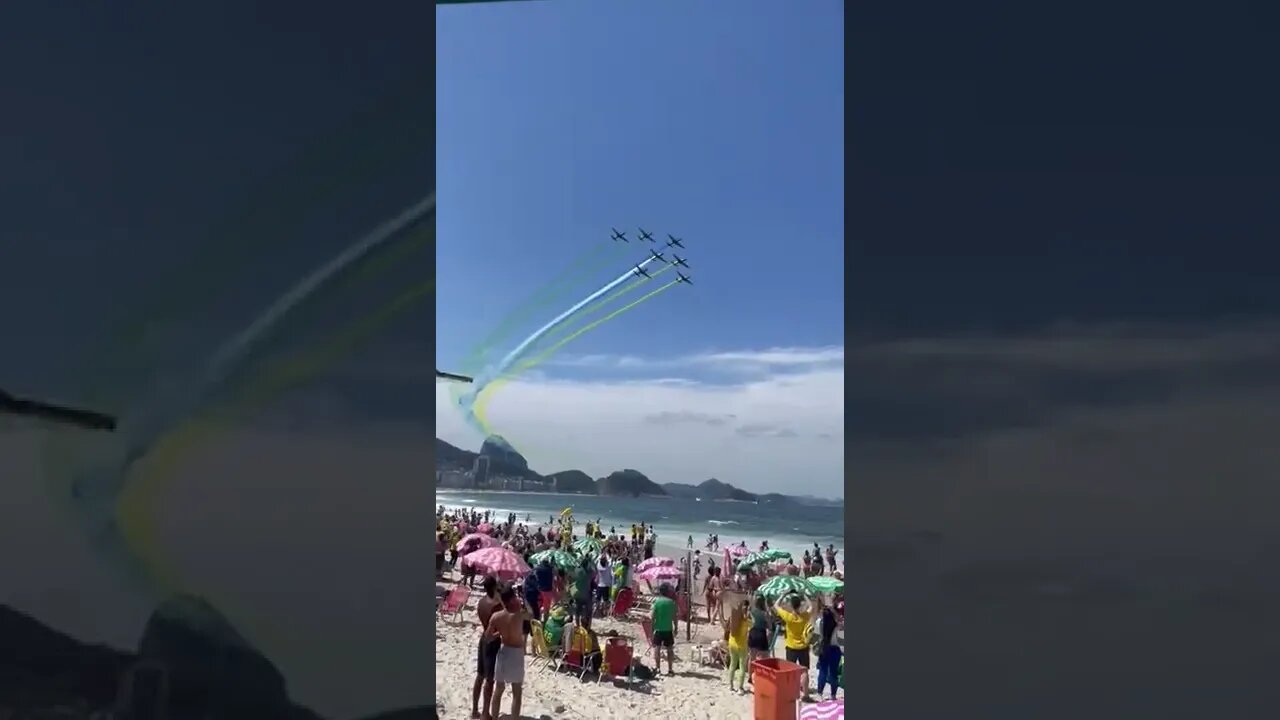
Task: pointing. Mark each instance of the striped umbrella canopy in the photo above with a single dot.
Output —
(557, 558)
(477, 541)
(654, 562)
(660, 572)
(739, 551)
(774, 554)
(825, 710)
(826, 583)
(782, 585)
(752, 560)
(588, 546)
(497, 561)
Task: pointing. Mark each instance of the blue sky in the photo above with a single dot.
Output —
(720, 123)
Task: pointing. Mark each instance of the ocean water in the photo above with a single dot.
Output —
(789, 527)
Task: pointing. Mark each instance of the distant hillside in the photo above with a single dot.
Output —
(711, 489)
(572, 481)
(628, 482)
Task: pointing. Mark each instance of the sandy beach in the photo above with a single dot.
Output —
(697, 691)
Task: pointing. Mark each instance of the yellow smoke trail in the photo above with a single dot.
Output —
(135, 508)
(577, 271)
(487, 391)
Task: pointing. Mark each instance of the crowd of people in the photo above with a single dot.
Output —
(559, 601)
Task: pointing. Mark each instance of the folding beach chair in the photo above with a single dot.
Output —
(542, 652)
(579, 655)
(618, 656)
(452, 605)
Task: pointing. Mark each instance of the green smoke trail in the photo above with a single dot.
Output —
(487, 392)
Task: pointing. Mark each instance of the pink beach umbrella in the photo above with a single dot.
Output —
(654, 562)
(739, 551)
(484, 528)
(477, 541)
(498, 561)
(660, 572)
(825, 710)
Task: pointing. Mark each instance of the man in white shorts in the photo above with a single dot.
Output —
(507, 624)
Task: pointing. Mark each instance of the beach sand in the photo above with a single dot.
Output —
(695, 692)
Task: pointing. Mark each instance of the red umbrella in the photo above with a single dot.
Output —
(498, 561)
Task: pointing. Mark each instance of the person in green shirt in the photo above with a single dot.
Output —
(663, 616)
(582, 578)
(795, 620)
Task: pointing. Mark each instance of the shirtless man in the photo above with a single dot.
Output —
(505, 626)
(486, 649)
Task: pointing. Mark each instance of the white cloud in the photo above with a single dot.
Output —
(769, 432)
(734, 361)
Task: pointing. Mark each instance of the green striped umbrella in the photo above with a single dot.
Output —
(752, 560)
(588, 546)
(775, 554)
(558, 558)
(826, 583)
(782, 585)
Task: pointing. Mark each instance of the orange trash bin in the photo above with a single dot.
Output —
(776, 686)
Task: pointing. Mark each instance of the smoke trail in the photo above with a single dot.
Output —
(137, 516)
(467, 402)
(487, 391)
(602, 302)
(474, 362)
(233, 351)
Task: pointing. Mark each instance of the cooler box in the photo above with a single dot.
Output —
(776, 686)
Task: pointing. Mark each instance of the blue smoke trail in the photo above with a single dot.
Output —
(468, 400)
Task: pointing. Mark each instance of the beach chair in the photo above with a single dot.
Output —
(646, 625)
(579, 655)
(618, 656)
(451, 606)
(542, 652)
(622, 604)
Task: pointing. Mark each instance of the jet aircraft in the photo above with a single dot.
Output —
(674, 241)
(679, 261)
(646, 235)
(682, 279)
(619, 235)
(657, 256)
(640, 271)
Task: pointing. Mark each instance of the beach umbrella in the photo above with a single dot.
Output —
(660, 572)
(775, 554)
(557, 558)
(781, 585)
(825, 710)
(497, 561)
(752, 560)
(654, 562)
(484, 528)
(739, 551)
(588, 546)
(476, 541)
(826, 583)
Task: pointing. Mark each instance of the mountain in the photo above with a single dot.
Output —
(503, 458)
(572, 481)
(711, 489)
(213, 672)
(449, 457)
(628, 482)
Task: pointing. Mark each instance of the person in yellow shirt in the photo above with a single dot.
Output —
(795, 619)
(735, 634)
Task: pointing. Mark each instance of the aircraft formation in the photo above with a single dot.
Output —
(655, 255)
